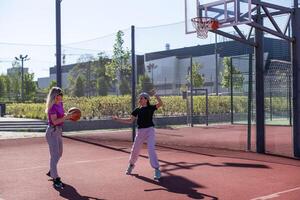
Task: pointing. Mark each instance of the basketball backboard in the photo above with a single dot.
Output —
(227, 12)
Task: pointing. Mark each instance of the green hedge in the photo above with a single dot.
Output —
(100, 107)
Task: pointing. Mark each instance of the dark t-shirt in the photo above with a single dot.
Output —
(144, 116)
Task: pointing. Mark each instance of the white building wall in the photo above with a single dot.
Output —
(43, 82)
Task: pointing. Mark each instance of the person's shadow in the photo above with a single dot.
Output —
(69, 192)
(177, 184)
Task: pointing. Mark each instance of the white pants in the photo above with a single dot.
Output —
(142, 135)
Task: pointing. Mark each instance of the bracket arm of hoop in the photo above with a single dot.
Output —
(273, 6)
(268, 30)
(239, 32)
(233, 37)
(272, 19)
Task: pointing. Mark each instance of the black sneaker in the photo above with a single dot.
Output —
(57, 183)
(48, 174)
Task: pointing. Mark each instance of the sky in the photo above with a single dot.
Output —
(28, 28)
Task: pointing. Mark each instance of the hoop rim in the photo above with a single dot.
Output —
(204, 19)
(204, 24)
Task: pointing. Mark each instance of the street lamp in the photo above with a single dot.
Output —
(22, 59)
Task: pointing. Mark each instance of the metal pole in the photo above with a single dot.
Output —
(133, 77)
(290, 100)
(249, 103)
(192, 89)
(206, 106)
(271, 95)
(22, 59)
(217, 67)
(22, 77)
(260, 100)
(231, 91)
(58, 44)
(296, 77)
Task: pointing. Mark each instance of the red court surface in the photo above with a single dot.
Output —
(94, 169)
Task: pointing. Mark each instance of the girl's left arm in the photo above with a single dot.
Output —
(159, 101)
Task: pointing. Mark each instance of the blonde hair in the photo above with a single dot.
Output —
(54, 91)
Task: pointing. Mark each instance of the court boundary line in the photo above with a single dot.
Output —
(275, 195)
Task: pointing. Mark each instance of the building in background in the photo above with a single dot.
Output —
(168, 69)
(172, 66)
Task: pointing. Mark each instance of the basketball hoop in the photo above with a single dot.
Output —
(203, 25)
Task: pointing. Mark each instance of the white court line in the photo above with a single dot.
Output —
(65, 164)
(274, 195)
(71, 163)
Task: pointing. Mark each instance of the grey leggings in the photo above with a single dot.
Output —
(54, 139)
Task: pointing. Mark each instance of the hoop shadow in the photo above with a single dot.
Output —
(177, 184)
(69, 192)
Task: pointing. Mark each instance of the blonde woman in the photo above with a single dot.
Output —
(56, 117)
(146, 132)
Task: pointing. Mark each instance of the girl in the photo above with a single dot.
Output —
(144, 115)
(56, 118)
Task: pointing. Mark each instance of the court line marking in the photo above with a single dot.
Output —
(63, 164)
(70, 163)
(277, 194)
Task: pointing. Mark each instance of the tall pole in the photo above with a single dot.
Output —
(133, 77)
(22, 59)
(250, 80)
(192, 89)
(296, 77)
(58, 44)
(22, 81)
(259, 61)
(217, 67)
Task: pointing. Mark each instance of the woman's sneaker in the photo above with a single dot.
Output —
(129, 169)
(48, 174)
(57, 183)
(157, 174)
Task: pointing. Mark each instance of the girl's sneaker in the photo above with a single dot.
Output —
(129, 169)
(157, 174)
(48, 174)
(57, 183)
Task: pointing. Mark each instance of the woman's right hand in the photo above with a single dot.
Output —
(68, 116)
(114, 117)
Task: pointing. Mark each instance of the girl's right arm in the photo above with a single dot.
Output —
(124, 120)
(56, 120)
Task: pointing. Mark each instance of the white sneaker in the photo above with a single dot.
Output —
(129, 169)
(157, 174)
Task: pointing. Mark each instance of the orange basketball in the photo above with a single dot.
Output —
(214, 25)
(75, 113)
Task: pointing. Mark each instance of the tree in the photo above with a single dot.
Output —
(237, 76)
(198, 79)
(103, 82)
(30, 87)
(83, 69)
(144, 84)
(2, 87)
(51, 85)
(119, 68)
(93, 75)
(79, 87)
(102, 86)
(7, 86)
(151, 67)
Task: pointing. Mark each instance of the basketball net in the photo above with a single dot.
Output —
(203, 25)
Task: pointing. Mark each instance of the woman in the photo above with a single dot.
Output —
(56, 117)
(144, 115)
